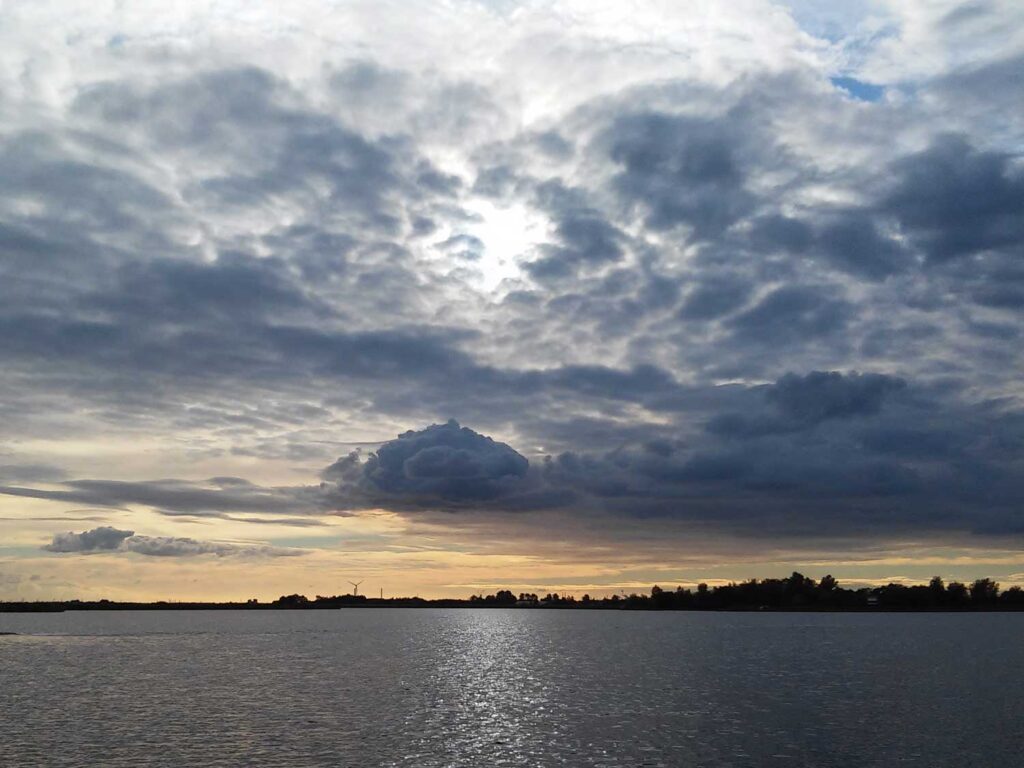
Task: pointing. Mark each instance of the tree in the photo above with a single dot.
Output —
(956, 593)
(984, 592)
(1013, 596)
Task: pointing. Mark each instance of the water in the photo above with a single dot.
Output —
(511, 688)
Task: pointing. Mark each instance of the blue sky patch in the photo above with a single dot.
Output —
(859, 89)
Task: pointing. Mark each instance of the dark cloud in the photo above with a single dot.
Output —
(680, 170)
(826, 450)
(797, 403)
(791, 315)
(715, 297)
(830, 395)
(774, 233)
(954, 200)
(280, 146)
(447, 461)
(586, 237)
(444, 466)
(854, 245)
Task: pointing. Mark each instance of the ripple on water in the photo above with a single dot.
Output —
(510, 688)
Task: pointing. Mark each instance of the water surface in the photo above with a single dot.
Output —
(435, 687)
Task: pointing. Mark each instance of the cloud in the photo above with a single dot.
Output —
(826, 451)
(109, 539)
(715, 297)
(30, 473)
(802, 402)
(824, 395)
(792, 315)
(954, 200)
(855, 245)
(102, 539)
(445, 460)
(652, 248)
(173, 495)
(680, 170)
(442, 467)
(168, 546)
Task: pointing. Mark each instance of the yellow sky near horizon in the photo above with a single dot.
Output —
(404, 556)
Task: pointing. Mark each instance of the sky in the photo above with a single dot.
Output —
(451, 297)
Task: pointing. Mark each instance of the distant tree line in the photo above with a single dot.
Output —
(795, 592)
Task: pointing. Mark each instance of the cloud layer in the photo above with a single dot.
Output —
(754, 268)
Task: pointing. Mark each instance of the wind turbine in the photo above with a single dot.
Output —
(355, 585)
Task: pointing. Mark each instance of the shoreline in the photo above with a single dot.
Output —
(15, 607)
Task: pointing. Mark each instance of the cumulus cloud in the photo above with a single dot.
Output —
(445, 460)
(441, 467)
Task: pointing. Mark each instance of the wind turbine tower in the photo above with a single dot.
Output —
(355, 586)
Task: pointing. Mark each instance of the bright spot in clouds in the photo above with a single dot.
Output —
(508, 232)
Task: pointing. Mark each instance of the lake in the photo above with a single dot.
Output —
(436, 687)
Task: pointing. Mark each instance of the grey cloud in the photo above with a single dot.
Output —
(679, 170)
(104, 538)
(168, 546)
(851, 241)
(108, 539)
(586, 237)
(781, 233)
(955, 200)
(232, 290)
(30, 473)
(445, 462)
(715, 297)
(173, 495)
(854, 245)
(792, 314)
(443, 467)
(250, 138)
(825, 450)
(203, 516)
(795, 403)
(824, 395)
(463, 246)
